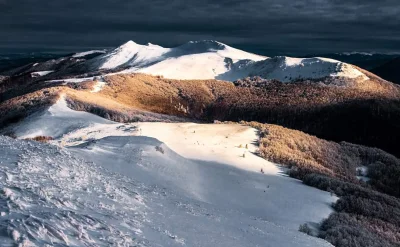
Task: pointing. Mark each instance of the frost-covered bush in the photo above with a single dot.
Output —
(305, 229)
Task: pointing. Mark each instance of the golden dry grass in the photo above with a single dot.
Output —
(288, 104)
(308, 154)
(43, 139)
(201, 99)
(191, 98)
(160, 95)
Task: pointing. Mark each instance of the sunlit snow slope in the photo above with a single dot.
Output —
(115, 185)
(214, 60)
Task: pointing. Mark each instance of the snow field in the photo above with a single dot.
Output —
(148, 184)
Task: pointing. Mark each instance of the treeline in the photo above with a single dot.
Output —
(363, 217)
(370, 122)
(17, 108)
(364, 214)
(123, 115)
(305, 154)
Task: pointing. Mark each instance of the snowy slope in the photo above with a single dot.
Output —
(115, 185)
(192, 55)
(129, 54)
(121, 191)
(86, 53)
(49, 197)
(41, 73)
(214, 60)
(287, 69)
(55, 121)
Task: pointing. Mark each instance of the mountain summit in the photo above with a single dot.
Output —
(209, 59)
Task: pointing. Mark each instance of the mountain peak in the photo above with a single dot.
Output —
(203, 45)
(128, 44)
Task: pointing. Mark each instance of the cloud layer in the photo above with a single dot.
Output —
(266, 26)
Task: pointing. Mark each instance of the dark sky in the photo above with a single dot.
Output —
(267, 27)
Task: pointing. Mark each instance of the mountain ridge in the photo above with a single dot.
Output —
(209, 59)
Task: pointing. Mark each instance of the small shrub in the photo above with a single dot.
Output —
(305, 229)
(160, 149)
(11, 134)
(43, 139)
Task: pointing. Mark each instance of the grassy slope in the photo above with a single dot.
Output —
(367, 113)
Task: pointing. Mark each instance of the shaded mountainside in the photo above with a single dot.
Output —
(389, 71)
(305, 154)
(12, 61)
(364, 60)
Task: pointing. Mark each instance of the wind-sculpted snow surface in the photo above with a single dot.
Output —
(51, 198)
(207, 203)
(131, 191)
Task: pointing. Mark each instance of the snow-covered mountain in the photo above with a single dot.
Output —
(214, 60)
(287, 69)
(195, 60)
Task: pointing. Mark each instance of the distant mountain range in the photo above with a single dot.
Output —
(194, 60)
(365, 60)
(200, 60)
(389, 70)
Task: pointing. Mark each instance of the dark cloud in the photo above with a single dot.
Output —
(268, 26)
